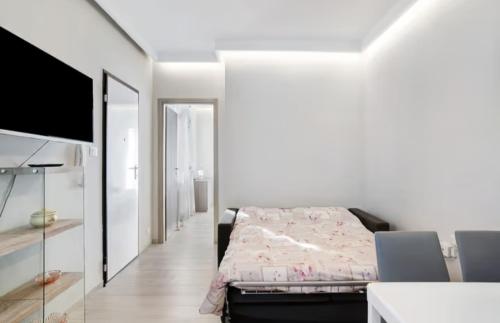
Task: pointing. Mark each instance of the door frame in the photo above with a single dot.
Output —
(161, 135)
(105, 76)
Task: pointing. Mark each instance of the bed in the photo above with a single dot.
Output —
(294, 265)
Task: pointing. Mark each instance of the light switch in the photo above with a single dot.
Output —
(94, 151)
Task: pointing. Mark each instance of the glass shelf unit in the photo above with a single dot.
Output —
(42, 231)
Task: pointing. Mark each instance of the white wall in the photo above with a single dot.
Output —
(76, 33)
(292, 130)
(203, 126)
(189, 81)
(307, 109)
(433, 119)
(202, 123)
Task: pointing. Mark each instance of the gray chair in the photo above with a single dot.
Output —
(479, 253)
(410, 257)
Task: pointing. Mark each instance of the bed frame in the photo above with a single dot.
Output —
(260, 306)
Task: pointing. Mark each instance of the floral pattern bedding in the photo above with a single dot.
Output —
(299, 244)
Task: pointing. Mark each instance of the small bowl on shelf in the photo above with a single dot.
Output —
(43, 218)
(48, 277)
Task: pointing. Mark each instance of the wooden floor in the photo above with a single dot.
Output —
(167, 283)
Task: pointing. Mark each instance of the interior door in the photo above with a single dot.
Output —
(171, 170)
(121, 215)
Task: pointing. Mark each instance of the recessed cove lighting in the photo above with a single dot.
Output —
(189, 65)
(416, 14)
(284, 56)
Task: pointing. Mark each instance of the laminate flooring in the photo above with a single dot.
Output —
(166, 283)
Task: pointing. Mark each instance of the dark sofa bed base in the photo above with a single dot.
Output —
(293, 308)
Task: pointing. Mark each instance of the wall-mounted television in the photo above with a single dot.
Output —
(42, 97)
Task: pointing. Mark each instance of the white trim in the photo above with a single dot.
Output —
(160, 166)
(42, 137)
(221, 45)
(148, 49)
(389, 19)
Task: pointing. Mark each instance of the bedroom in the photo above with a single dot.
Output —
(389, 106)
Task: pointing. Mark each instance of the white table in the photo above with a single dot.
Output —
(434, 302)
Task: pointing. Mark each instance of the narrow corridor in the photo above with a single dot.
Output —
(167, 283)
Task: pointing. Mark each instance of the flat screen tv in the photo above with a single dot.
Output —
(40, 96)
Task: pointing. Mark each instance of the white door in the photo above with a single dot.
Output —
(171, 171)
(121, 213)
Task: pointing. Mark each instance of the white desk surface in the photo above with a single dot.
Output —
(436, 302)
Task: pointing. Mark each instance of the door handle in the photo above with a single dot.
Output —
(135, 168)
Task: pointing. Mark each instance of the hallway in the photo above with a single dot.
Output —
(167, 283)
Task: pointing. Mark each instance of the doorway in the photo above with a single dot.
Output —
(120, 176)
(188, 167)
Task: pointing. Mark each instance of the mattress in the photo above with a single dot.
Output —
(294, 245)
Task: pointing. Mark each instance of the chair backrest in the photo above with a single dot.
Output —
(479, 253)
(410, 257)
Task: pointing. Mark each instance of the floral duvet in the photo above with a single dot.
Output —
(299, 244)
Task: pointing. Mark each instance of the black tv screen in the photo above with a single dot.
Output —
(42, 96)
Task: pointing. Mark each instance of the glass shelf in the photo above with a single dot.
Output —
(9, 171)
(54, 245)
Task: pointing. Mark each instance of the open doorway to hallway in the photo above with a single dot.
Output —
(189, 167)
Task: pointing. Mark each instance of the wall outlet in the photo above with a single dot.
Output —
(449, 249)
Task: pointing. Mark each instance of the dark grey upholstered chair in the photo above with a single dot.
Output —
(410, 257)
(479, 253)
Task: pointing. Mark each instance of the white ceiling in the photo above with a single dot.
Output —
(193, 30)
